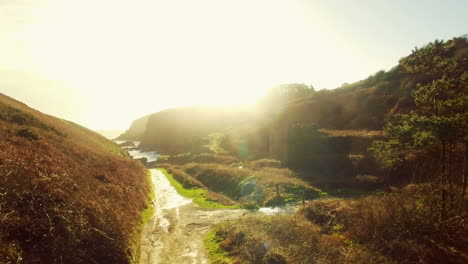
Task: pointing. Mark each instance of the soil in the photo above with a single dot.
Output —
(175, 232)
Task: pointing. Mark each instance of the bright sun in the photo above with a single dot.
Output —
(131, 58)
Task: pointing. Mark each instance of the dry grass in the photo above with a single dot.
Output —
(290, 187)
(404, 225)
(181, 176)
(353, 133)
(261, 163)
(67, 195)
(218, 178)
(400, 227)
(182, 159)
(286, 239)
(244, 185)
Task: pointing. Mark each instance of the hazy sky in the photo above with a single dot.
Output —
(103, 63)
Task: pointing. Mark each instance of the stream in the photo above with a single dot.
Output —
(175, 232)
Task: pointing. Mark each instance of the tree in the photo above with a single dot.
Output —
(288, 92)
(439, 122)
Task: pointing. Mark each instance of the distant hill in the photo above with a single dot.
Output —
(136, 130)
(67, 194)
(110, 133)
(365, 105)
(178, 130)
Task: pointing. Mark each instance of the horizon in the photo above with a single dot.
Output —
(141, 57)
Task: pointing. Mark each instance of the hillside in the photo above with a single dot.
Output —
(136, 129)
(183, 129)
(364, 105)
(387, 156)
(414, 170)
(67, 194)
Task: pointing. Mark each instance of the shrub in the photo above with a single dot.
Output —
(181, 176)
(218, 178)
(214, 158)
(286, 239)
(53, 207)
(403, 225)
(27, 133)
(182, 159)
(261, 163)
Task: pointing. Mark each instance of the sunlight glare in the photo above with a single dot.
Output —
(143, 56)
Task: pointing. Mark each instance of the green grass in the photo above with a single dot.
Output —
(216, 254)
(13, 115)
(198, 195)
(146, 215)
(149, 211)
(97, 138)
(353, 192)
(215, 142)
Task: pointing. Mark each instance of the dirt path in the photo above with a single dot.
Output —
(175, 233)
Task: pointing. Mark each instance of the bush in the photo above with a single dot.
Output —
(27, 133)
(403, 225)
(243, 184)
(214, 158)
(53, 207)
(182, 159)
(181, 176)
(218, 178)
(261, 163)
(286, 239)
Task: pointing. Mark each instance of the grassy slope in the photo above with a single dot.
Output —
(216, 254)
(247, 187)
(67, 194)
(198, 195)
(400, 227)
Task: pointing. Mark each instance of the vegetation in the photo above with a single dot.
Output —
(398, 227)
(197, 193)
(422, 149)
(394, 144)
(285, 239)
(67, 195)
(401, 225)
(175, 131)
(215, 253)
(238, 186)
(136, 130)
(185, 158)
(149, 211)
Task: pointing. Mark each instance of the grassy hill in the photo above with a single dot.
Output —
(136, 130)
(411, 211)
(67, 194)
(181, 130)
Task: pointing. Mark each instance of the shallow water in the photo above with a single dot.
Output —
(175, 232)
(149, 155)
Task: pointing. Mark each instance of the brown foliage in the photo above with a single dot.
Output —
(403, 225)
(285, 239)
(261, 163)
(181, 176)
(218, 178)
(182, 159)
(53, 206)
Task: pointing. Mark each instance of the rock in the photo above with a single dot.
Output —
(144, 161)
(102, 178)
(127, 144)
(151, 164)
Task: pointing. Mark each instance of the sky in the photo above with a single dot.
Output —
(105, 63)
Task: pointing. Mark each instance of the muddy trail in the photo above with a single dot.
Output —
(175, 232)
